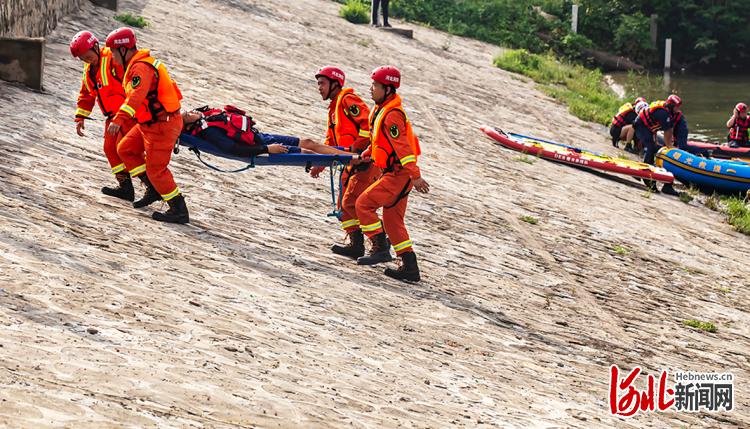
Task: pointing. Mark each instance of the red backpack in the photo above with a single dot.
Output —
(234, 121)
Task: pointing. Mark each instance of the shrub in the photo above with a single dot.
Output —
(738, 214)
(633, 38)
(355, 11)
(132, 20)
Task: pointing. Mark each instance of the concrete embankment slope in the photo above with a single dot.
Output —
(243, 319)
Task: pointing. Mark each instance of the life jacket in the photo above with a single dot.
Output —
(383, 153)
(165, 97)
(739, 131)
(236, 123)
(340, 126)
(625, 116)
(105, 80)
(647, 115)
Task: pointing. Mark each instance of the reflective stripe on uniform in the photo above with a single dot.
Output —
(82, 112)
(103, 71)
(349, 223)
(169, 196)
(138, 170)
(403, 245)
(407, 159)
(118, 168)
(372, 227)
(127, 109)
(86, 78)
(364, 133)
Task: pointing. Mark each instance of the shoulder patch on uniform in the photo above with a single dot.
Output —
(136, 82)
(354, 110)
(394, 131)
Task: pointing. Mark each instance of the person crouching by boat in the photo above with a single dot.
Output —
(232, 131)
(660, 115)
(738, 125)
(622, 122)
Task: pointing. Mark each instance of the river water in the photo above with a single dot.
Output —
(707, 100)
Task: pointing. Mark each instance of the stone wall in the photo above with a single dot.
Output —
(33, 18)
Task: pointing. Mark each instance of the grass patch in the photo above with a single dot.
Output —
(525, 158)
(132, 20)
(529, 219)
(724, 290)
(620, 250)
(365, 43)
(355, 11)
(738, 214)
(703, 326)
(685, 197)
(581, 89)
(713, 202)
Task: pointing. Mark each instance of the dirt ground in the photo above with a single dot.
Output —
(243, 318)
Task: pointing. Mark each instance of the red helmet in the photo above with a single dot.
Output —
(333, 73)
(82, 42)
(123, 37)
(639, 100)
(741, 107)
(387, 75)
(674, 100)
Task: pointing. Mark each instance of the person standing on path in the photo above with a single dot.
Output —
(382, 4)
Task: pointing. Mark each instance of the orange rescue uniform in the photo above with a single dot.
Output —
(394, 148)
(102, 84)
(153, 99)
(349, 127)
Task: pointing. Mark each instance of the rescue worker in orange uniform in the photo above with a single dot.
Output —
(394, 148)
(348, 128)
(153, 99)
(102, 84)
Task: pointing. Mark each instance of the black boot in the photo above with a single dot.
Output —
(408, 269)
(668, 189)
(355, 248)
(379, 252)
(150, 196)
(177, 213)
(124, 191)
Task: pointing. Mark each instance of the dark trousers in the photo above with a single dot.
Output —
(648, 140)
(379, 4)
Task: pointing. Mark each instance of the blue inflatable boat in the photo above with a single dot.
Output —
(708, 174)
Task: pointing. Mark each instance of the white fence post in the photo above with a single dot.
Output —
(668, 54)
(574, 19)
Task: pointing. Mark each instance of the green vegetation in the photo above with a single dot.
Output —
(685, 197)
(526, 159)
(582, 89)
(132, 20)
(703, 326)
(713, 202)
(511, 23)
(706, 34)
(620, 250)
(529, 219)
(738, 214)
(355, 11)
